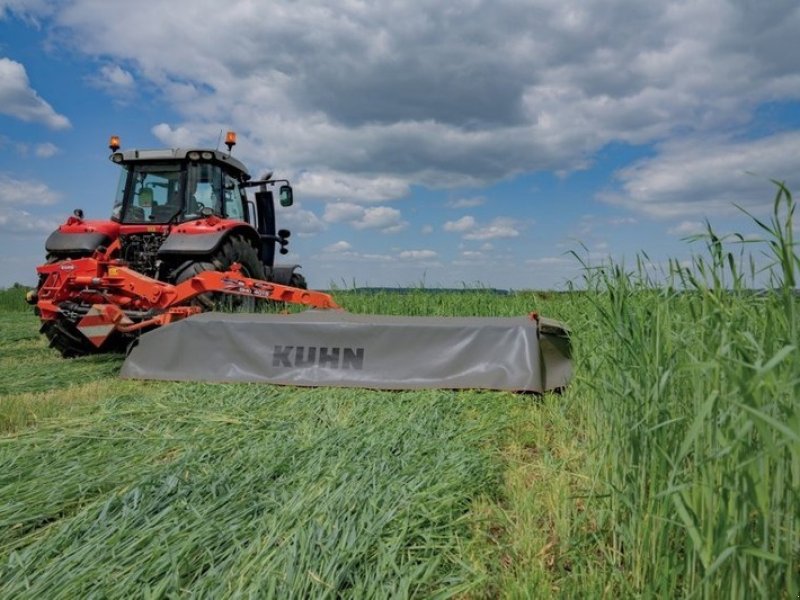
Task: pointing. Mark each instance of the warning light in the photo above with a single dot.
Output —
(113, 143)
(230, 140)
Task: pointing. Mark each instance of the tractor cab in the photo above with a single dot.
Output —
(164, 187)
(179, 211)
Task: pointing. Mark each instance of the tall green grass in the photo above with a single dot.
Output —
(695, 400)
(13, 299)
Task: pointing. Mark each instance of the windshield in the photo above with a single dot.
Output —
(153, 193)
(175, 192)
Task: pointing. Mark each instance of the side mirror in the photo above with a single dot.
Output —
(285, 195)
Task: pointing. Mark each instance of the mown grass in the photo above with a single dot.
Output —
(109, 487)
(670, 468)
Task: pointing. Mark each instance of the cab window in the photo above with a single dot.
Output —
(153, 192)
(205, 189)
(232, 196)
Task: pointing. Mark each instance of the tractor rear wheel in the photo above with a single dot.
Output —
(236, 249)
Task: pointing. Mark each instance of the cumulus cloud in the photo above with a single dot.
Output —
(17, 221)
(115, 81)
(46, 150)
(25, 192)
(17, 193)
(340, 246)
(687, 228)
(465, 223)
(301, 221)
(18, 99)
(384, 218)
(29, 10)
(418, 254)
(501, 227)
(179, 137)
(376, 92)
(704, 176)
(329, 184)
(338, 212)
(116, 77)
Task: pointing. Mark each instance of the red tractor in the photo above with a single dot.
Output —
(178, 214)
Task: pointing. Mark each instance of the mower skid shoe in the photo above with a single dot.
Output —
(333, 348)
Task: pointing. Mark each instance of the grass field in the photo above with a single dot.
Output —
(670, 468)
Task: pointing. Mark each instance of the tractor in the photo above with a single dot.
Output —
(177, 214)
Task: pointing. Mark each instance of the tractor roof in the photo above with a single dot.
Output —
(129, 156)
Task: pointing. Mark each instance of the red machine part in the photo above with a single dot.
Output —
(112, 289)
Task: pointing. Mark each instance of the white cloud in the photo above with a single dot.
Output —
(115, 77)
(46, 150)
(427, 229)
(687, 228)
(501, 227)
(465, 223)
(338, 212)
(180, 137)
(14, 220)
(340, 246)
(352, 256)
(418, 254)
(25, 192)
(466, 202)
(384, 218)
(18, 99)
(705, 176)
(379, 217)
(301, 221)
(28, 10)
(328, 184)
(115, 81)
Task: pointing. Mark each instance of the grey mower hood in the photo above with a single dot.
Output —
(336, 348)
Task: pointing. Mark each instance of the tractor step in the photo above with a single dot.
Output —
(335, 348)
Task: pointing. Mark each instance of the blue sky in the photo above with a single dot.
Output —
(476, 143)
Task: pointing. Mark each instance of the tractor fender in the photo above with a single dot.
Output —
(75, 243)
(205, 242)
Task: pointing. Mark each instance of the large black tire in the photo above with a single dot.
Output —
(64, 337)
(235, 249)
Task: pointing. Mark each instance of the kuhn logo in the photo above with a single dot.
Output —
(239, 286)
(323, 356)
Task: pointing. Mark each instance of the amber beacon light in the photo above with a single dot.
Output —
(230, 140)
(113, 143)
